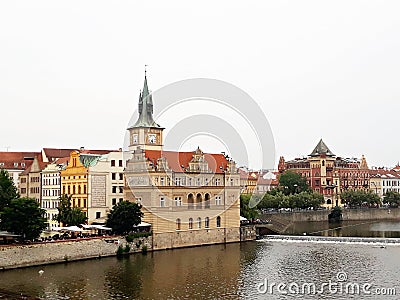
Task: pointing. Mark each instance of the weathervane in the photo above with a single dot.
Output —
(145, 70)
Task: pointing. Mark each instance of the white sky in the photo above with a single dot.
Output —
(71, 71)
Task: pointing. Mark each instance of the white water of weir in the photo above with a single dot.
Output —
(335, 240)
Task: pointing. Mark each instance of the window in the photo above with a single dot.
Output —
(113, 176)
(114, 201)
(199, 222)
(178, 224)
(162, 181)
(114, 189)
(121, 189)
(15, 164)
(162, 202)
(178, 201)
(218, 221)
(207, 222)
(120, 200)
(177, 181)
(113, 163)
(98, 214)
(190, 223)
(121, 176)
(217, 200)
(120, 163)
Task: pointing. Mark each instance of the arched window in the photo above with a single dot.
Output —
(84, 189)
(190, 200)
(69, 190)
(73, 189)
(218, 221)
(323, 163)
(199, 222)
(199, 200)
(190, 223)
(207, 200)
(207, 222)
(79, 189)
(329, 201)
(178, 224)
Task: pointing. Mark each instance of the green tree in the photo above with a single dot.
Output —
(23, 216)
(123, 216)
(68, 215)
(293, 183)
(245, 210)
(358, 198)
(392, 198)
(8, 191)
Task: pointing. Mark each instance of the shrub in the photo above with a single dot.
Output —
(127, 248)
(129, 238)
(144, 249)
(120, 251)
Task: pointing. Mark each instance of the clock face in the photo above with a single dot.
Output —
(152, 138)
(135, 138)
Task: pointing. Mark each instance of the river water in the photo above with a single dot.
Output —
(230, 271)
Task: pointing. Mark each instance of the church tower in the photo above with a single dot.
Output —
(145, 133)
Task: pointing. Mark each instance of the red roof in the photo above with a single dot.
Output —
(100, 152)
(16, 160)
(52, 153)
(179, 161)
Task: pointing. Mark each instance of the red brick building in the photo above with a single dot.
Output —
(328, 174)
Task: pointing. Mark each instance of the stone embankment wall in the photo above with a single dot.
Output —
(68, 250)
(348, 215)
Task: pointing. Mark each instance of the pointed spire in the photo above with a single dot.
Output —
(145, 107)
(321, 148)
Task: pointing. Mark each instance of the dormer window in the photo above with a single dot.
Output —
(15, 164)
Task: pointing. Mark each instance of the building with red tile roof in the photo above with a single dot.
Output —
(189, 198)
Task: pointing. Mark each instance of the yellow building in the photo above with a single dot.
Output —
(74, 181)
(189, 198)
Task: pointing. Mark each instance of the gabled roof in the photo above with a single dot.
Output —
(321, 148)
(179, 161)
(16, 160)
(52, 153)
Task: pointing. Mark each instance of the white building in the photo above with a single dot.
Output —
(51, 192)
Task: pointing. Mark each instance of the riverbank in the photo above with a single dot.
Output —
(19, 256)
(368, 214)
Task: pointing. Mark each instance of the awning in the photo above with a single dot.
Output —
(243, 218)
(143, 224)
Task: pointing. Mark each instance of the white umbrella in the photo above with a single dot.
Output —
(73, 228)
(243, 218)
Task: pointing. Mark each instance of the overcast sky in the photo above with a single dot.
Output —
(71, 71)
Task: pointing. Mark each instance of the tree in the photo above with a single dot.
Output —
(392, 198)
(245, 210)
(358, 198)
(123, 216)
(293, 183)
(23, 216)
(8, 191)
(68, 215)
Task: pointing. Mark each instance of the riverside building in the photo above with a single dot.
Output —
(189, 198)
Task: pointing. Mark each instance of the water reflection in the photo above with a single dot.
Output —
(387, 229)
(220, 271)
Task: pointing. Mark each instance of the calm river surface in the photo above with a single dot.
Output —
(213, 272)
